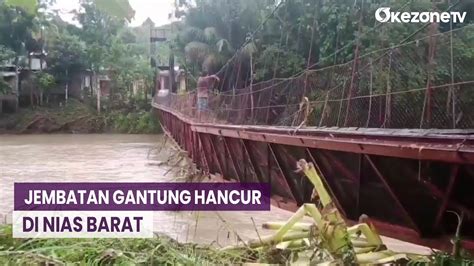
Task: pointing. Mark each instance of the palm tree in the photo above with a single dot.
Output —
(205, 49)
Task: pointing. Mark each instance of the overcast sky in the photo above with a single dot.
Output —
(157, 10)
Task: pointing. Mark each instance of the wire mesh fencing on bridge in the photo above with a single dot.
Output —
(426, 83)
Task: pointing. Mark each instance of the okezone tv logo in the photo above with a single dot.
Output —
(384, 14)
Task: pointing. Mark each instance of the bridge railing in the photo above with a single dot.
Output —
(427, 83)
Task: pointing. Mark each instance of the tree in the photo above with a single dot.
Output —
(213, 29)
(16, 28)
(97, 30)
(102, 43)
(66, 55)
(45, 83)
(29, 6)
(126, 63)
(6, 54)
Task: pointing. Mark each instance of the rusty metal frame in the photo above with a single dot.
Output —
(194, 143)
(253, 163)
(436, 192)
(273, 155)
(234, 166)
(219, 164)
(391, 148)
(394, 196)
(447, 195)
(269, 164)
(339, 165)
(451, 203)
(203, 150)
(443, 147)
(401, 146)
(294, 190)
(330, 160)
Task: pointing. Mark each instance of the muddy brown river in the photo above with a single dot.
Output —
(125, 158)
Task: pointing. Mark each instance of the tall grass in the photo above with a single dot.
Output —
(159, 250)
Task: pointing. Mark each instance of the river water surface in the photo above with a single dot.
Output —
(124, 158)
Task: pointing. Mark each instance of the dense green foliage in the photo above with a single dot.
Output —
(45, 81)
(300, 33)
(5, 54)
(16, 29)
(100, 43)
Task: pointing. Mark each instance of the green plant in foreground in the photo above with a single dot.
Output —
(330, 238)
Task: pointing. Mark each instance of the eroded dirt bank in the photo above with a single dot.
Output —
(77, 117)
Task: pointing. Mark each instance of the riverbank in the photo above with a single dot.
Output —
(77, 117)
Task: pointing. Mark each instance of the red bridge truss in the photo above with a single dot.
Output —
(390, 132)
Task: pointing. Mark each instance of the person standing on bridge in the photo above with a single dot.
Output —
(205, 83)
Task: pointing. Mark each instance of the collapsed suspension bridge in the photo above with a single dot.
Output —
(390, 132)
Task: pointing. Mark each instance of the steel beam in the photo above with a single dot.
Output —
(253, 162)
(232, 159)
(447, 195)
(339, 165)
(273, 155)
(451, 203)
(402, 148)
(204, 152)
(269, 165)
(214, 152)
(294, 190)
(400, 206)
(443, 145)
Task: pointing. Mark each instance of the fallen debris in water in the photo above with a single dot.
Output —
(180, 165)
